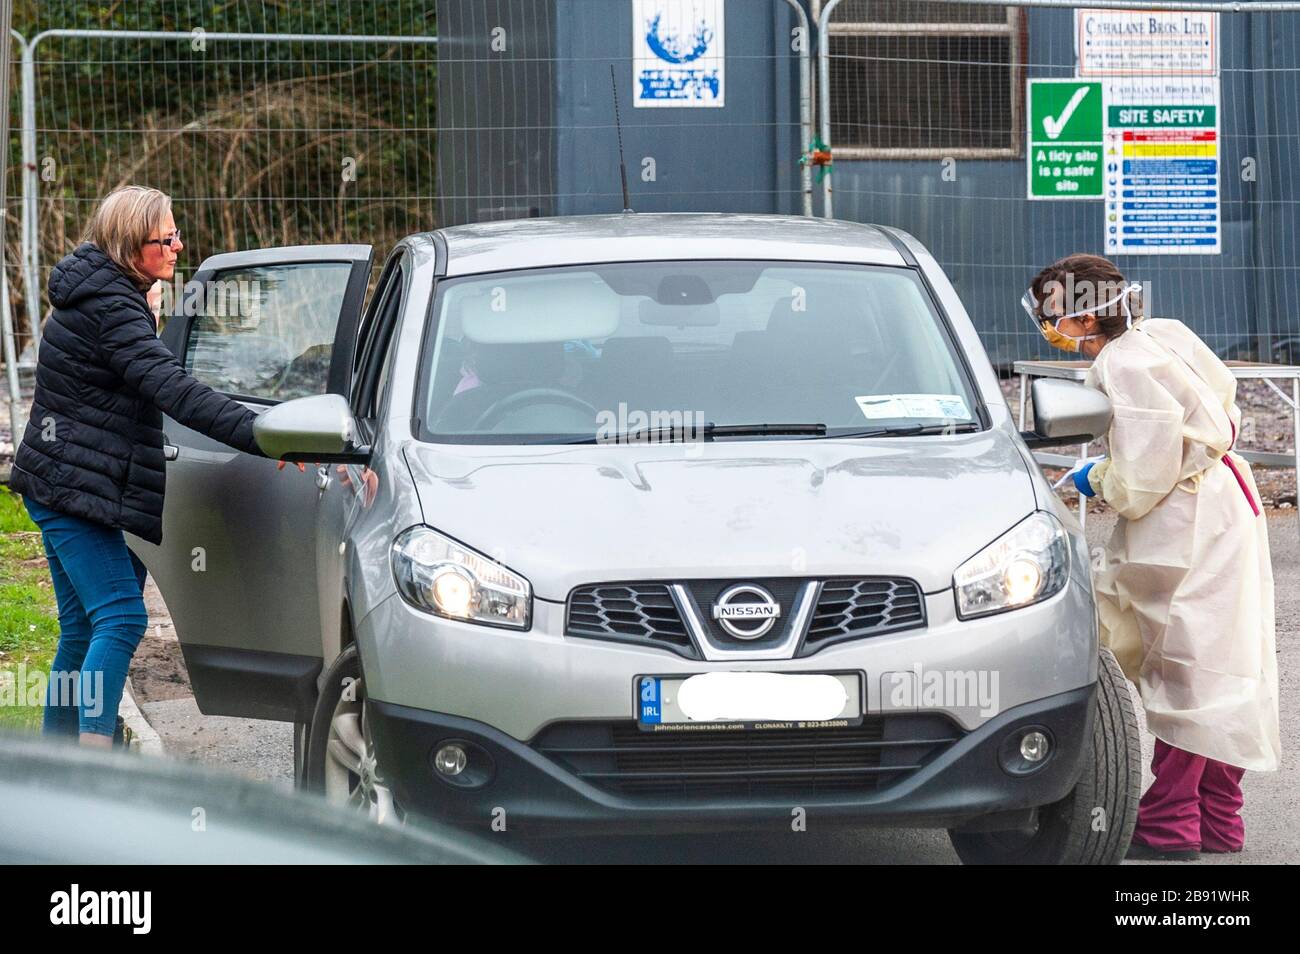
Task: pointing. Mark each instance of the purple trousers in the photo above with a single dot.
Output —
(1192, 804)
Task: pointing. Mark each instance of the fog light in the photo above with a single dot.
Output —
(461, 763)
(1034, 746)
(450, 761)
(1026, 749)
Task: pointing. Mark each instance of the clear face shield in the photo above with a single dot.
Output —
(1051, 327)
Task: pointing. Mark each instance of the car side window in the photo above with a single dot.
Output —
(267, 332)
(381, 384)
(369, 321)
(365, 332)
(374, 359)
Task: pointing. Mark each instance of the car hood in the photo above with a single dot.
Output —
(565, 516)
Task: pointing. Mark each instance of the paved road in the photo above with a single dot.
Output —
(263, 750)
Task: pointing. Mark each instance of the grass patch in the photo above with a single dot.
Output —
(13, 515)
(29, 624)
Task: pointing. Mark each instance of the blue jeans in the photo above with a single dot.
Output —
(99, 585)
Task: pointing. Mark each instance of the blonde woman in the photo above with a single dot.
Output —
(90, 464)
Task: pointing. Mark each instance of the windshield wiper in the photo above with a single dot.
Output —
(912, 430)
(669, 434)
(746, 430)
(642, 435)
(673, 434)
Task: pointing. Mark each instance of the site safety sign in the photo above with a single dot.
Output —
(1161, 91)
(1065, 139)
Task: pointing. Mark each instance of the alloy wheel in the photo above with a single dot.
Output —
(352, 775)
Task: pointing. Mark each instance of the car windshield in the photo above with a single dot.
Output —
(688, 350)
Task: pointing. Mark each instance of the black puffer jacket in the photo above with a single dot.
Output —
(93, 447)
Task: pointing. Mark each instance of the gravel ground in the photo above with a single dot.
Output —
(253, 748)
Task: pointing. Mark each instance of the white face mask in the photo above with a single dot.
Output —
(1030, 304)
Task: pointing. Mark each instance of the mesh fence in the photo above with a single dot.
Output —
(309, 132)
(295, 138)
(527, 106)
(931, 132)
(323, 131)
(496, 101)
(920, 77)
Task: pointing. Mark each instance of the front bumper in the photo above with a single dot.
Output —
(522, 682)
(959, 779)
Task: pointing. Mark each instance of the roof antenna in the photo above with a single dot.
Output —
(622, 167)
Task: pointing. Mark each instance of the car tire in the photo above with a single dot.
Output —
(339, 753)
(1094, 823)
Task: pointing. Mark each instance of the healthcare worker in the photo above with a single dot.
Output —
(1186, 594)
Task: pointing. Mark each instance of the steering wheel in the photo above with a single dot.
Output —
(532, 396)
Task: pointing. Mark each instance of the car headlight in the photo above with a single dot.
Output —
(436, 574)
(1027, 564)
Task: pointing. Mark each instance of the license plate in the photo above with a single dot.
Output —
(748, 700)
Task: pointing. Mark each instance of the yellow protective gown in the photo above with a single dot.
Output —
(1186, 593)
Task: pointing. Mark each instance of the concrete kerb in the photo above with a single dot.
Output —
(143, 737)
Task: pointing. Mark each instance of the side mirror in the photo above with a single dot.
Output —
(317, 428)
(1066, 412)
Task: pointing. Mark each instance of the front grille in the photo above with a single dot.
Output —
(852, 609)
(634, 612)
(621, 759)
(648, 614)
(784, 590)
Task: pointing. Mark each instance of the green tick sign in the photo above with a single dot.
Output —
(1065, 139)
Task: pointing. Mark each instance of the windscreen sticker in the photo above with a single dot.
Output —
(879, 406)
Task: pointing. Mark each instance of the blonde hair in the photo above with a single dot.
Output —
(122, 223)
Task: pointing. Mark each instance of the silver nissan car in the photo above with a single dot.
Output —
(644, 522)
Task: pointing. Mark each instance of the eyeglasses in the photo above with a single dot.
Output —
(168, 240)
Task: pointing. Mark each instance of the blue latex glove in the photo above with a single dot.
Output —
(1081, 481)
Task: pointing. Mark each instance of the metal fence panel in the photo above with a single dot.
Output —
(928, 129)
(300, 134)
(268, 123)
